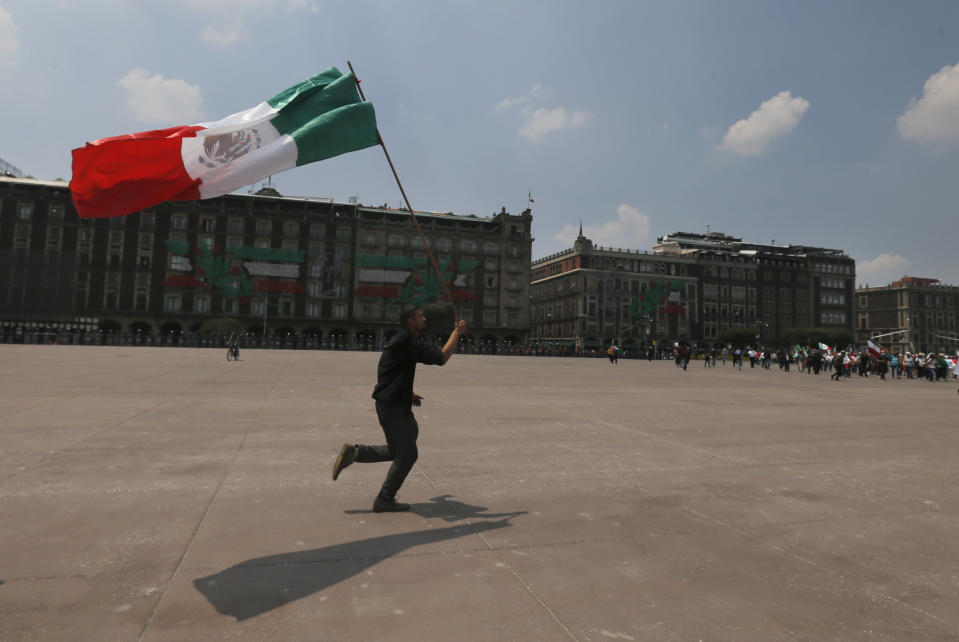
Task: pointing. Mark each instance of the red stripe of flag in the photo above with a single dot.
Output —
(149, 167)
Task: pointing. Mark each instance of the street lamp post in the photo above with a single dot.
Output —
(759, 324)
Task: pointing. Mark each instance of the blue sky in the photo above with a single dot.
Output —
(824, 123)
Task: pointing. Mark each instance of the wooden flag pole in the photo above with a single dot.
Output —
(429, 252)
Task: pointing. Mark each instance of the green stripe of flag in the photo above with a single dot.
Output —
(325, 116)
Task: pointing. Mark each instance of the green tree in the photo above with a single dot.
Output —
(833, 337)
(738, 338)
(222, 325)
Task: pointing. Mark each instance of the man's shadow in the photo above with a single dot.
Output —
(262, 584)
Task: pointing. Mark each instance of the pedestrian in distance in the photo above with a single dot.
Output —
(395, 399)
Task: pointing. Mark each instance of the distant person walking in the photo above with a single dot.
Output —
(838, 363)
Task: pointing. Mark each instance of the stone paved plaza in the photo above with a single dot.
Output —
(166, 494)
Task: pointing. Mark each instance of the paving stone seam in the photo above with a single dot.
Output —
(486, 548)
(823, 569)
(216, 492)
(677, 444)
(529, 589)
(119, 422)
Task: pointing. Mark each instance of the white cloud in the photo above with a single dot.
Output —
(223, 35)
(934, 118)
(305, 5)
(538, 121)
(775, 117)
(537, 93)
(882, 270)
(161, 101)
(9, 39)
(629, 230)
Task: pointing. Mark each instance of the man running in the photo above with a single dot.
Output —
(394, 401)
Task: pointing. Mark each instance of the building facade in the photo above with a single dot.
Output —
(279, 266)
(589, 297)
(690, 287)
(912, 314)
(766, 287)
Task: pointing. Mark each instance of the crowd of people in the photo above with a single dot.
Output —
(838, 363)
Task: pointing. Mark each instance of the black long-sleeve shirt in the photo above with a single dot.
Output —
(397, 367)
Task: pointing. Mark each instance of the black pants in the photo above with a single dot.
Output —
(401, 430)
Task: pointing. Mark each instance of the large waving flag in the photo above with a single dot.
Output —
(872, 348)
(316, 119)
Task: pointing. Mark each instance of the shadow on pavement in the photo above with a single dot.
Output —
(262, 584)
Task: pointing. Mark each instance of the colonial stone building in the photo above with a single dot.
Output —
(280, 266)
(589, 297)
(912, 314)
(766, 287)
(690, 287)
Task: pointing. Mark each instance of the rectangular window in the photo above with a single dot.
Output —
(178, 222)
(201, 303)
(339, 311)
(55, 214)
(235, 226)
(53, 239)
(207, 224)
(291, 229)
(317, 231)
(141, 299)
(343, 233)
(312, 309)
(264, 227)
(180, 263)
(172, 303)
(257, 306)
(146, 220)
(25, 211)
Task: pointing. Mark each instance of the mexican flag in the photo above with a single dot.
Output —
(316, 119)
(823, 346)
